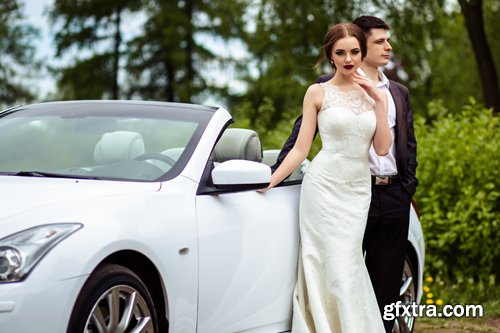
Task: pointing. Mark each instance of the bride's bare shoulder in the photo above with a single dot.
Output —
(315, 91)
(315, 95)
(315, 88)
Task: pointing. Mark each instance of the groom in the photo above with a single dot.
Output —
(393, 175)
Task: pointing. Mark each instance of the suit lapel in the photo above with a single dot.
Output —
(398, 102)
(401, 127)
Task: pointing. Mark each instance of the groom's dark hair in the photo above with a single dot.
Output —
(367, 23)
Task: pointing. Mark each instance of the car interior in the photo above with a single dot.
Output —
(240, 143)
(118, 147)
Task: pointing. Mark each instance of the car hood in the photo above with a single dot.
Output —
(19, 195)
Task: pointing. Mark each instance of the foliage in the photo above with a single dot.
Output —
(473, 13)
(166, 61)
(93, 25)
(465, 292)
(431, 52)
(74, 84)
(451, 75)
(18, 55)
(458, 195)
(491, 12)
(173, 55)
(284, 40)
(444, 293)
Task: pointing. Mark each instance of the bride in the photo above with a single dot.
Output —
(334, 292)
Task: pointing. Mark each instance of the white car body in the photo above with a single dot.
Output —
(220, 262)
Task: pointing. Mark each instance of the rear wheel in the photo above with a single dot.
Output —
(408, 295)
(114, 299)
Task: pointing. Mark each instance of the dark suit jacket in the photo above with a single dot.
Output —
(406, 144)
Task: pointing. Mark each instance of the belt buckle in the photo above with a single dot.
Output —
(382, 180)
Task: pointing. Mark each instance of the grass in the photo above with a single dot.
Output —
(439, 291)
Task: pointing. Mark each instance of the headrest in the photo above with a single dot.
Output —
(240, 144)
(118, 146)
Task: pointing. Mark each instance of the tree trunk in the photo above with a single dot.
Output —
(472, 11)
(189, 52)
(116, 54)
(169, 78)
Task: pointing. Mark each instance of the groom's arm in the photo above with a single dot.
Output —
(411, 171)
(290, 142)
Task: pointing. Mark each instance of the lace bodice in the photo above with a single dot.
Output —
(355, 100)
(346, 120)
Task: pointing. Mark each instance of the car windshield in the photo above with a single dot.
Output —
(99, 140)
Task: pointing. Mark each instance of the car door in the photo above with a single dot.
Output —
(248, 248)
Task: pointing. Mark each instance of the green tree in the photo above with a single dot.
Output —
(284, 43)
(415, 29)
(93, 26)
(166, 61)
(491, 10)
(453, 77)
(436, 56)
(18, 54)
(472, 11)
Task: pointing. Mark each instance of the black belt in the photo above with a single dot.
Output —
(385, 180)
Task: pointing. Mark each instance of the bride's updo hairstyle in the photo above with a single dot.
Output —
(339, 31)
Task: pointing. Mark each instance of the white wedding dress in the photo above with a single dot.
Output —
(334, 292)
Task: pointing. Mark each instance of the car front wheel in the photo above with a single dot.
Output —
(113, 299)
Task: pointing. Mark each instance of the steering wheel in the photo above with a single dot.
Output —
(156, 156)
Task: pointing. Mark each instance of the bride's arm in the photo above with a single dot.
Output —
(382, 138)
(312, 102)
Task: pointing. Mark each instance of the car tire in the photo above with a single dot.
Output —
(405, 324)
(113, 299)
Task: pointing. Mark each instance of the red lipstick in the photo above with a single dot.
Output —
(349, 67)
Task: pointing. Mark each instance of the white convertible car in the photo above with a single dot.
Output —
(129, 216)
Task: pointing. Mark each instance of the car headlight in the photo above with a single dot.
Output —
(20, 252)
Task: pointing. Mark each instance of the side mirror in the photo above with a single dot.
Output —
(241, 175)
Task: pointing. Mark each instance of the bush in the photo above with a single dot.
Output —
(458, 195)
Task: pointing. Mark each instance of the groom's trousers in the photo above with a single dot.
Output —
(385, 240)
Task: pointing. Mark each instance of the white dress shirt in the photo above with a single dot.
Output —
(384, 165)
